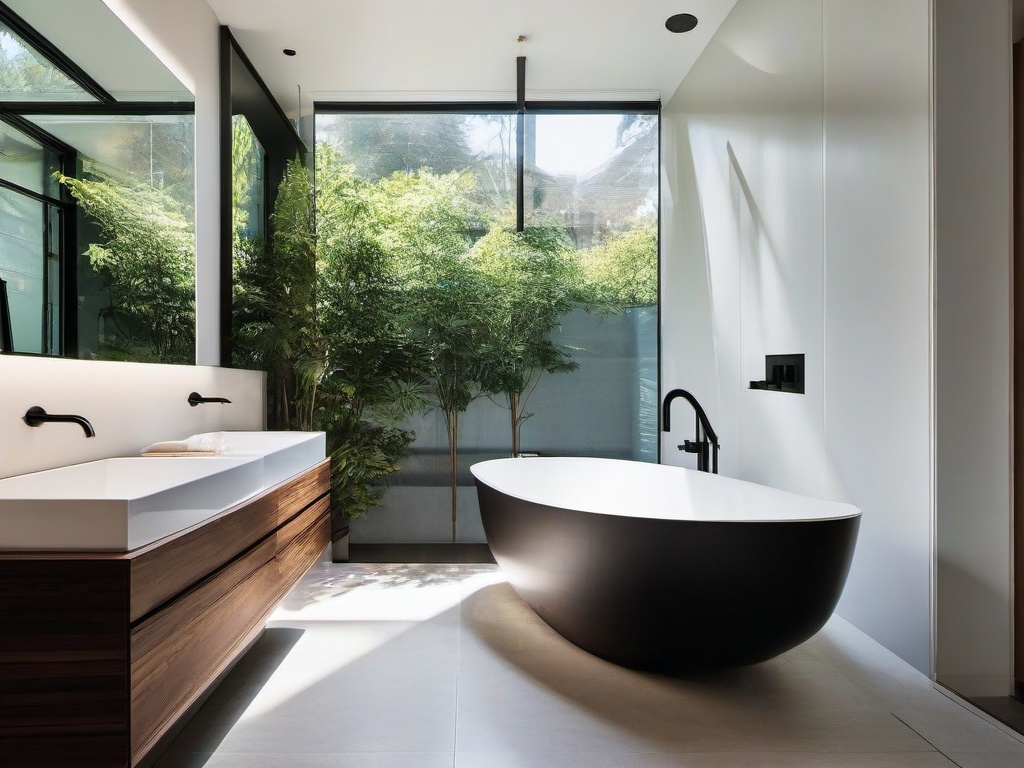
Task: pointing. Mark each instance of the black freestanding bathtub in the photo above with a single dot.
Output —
(662, 568)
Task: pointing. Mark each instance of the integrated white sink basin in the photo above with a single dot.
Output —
(284, 453)
(121, 504)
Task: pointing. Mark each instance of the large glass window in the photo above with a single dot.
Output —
(596, 177)
(494, 341)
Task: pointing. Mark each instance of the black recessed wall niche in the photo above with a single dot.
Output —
(782, 373)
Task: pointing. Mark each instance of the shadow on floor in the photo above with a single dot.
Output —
(766, 695)
(233, 695)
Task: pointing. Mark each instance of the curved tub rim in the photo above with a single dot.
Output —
(851, 511)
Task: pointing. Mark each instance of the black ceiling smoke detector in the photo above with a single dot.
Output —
(681, 22)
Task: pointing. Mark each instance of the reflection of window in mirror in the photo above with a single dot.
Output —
(248, 189)
(97, 191)
(31, 222)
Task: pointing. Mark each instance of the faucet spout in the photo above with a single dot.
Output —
(195, 399)
(36, 417)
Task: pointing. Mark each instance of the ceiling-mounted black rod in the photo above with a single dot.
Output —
(520, 143)
(521, 83)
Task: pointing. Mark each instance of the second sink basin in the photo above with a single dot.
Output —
(284, 453)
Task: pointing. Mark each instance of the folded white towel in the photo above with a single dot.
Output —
(207, 444)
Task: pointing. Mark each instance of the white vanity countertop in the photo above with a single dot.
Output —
(121, 504)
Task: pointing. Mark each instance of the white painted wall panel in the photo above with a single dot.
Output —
(877, 281)
(743, 238)
(797, 220)
(973, 220)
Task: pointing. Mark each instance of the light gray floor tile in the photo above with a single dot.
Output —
(988, 759)
(524, 688)
(321, 760)
(381, 666)
(951, 728)
(700, 760)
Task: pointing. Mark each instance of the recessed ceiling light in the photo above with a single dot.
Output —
(288, 51)
(681, 22)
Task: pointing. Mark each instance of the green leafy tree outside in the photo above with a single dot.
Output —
(533, 280)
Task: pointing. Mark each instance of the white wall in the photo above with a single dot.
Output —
(877, 309)
(184, 36)
(129, 404)
(743, 237)
(797, 220)
(973, 220)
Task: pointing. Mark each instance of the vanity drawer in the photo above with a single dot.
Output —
(167, 567)
(179, 651)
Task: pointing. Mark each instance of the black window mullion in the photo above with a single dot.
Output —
(46, 199)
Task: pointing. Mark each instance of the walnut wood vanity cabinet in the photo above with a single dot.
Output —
(101, 654)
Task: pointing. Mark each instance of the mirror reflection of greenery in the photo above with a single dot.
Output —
(274, 302)
(145, 257)
(411, 314)
(23, 72)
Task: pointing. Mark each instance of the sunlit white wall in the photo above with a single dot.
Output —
(796, 220)
(129, 404)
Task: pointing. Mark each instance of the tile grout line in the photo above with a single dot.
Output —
(458, 666)
(926, 740)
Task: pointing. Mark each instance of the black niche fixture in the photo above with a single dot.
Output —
(681, 22)
(288, 51)
(782, 373)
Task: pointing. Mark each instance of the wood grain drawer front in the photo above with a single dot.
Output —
(63, 663)
(179, 651)
(163, 570)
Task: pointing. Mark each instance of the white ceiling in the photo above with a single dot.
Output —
(385, 50)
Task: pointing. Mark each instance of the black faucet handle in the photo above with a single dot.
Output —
(691, 446)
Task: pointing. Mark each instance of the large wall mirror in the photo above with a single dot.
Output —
(97, 190)
(268, 268)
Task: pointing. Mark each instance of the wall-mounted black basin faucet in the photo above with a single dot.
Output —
(195, 399)
(705, 444)
(36, 417)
